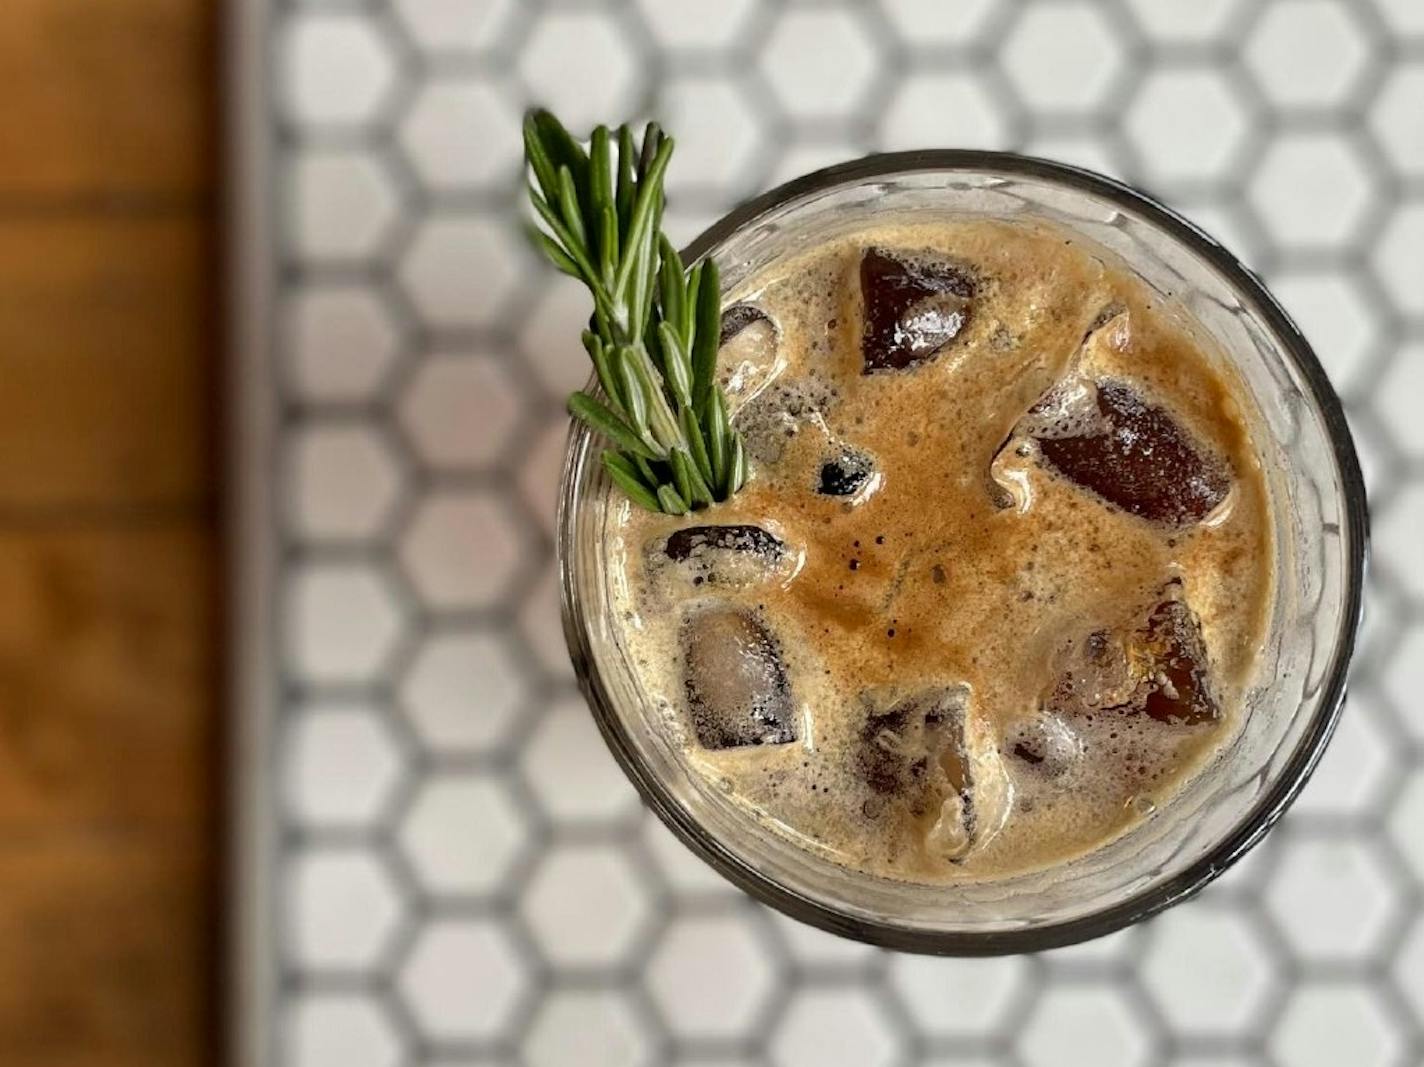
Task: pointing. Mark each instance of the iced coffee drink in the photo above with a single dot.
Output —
(1002, 569)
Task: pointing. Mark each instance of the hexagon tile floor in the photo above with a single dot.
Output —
(462, 876)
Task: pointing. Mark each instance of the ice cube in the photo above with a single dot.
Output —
(747, 356)
(1045, 743)
(691, 541)
(844, 474)
(738, 317)
(731, 555)
(738, 692)
(1157, 667)
(914, 306)
(1105, 437)
(1096, 674)
(924, 756)
(1178, 690)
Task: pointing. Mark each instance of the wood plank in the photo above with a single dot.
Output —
(103, 952)
(107, 679)
(106, 96)
(105, 356)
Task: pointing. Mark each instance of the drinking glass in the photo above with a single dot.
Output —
(1320, 523)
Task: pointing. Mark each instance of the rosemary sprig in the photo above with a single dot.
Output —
(654, 330)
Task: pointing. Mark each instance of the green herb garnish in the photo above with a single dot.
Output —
(655, 327)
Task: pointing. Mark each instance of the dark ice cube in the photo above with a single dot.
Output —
(1159, 667)
(737, 688)
(930, 769)
(915, 749)
(913, 308)
(683, 544)
(1178, 689)
(1136, 457)
(844, 474)
(738, 317)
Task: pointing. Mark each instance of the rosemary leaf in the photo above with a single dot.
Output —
(670, 501)
(602, 419)
(623, 198)
(736, 468)
(553, 251)
(673, 285)
(602, 365)
(626, 477)
(635, 400)
(677, 366)
(707, 328)
(717, 434)
(569, 205)
(696, 446)
(681, 473)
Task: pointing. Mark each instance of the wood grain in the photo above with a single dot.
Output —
(105, 639)
(104, 360)
(106, 99)
(103, 951)
(109, 641)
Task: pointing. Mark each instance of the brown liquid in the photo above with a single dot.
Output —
(970, 580)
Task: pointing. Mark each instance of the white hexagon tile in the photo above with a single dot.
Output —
(462, 876)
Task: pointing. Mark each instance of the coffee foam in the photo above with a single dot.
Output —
(928, 581)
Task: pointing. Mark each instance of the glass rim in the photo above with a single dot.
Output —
(1268, 808)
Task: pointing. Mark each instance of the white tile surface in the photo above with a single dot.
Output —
(1307, 54)
(345, 481)
(581, 65)
(1333, 899)
(341, 765)
(341, 205)
(709, 976)
(573, 776)
(1188, 124)
(586, 906)
(463, 549)
(462, 272)
(1063, 58)
(834, 1028)
(455, 26)
(463, 133)
(464, 690)
(961, 998)
(460, 410)
(1209, 971)
(463, 980)
(1088, 1023)
(580, 1028)
(336, 67)
(1394, 117)
(1399, 257)
(1311, 191)
(1328, 1024)
(820, 63)
(341, 343)
(344, 622)
(339, 1030)
(939, 109)
(462, 835)
(343, 909)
